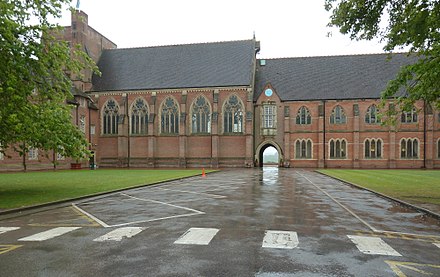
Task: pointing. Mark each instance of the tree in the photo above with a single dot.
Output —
(411, 25)
(34, 81)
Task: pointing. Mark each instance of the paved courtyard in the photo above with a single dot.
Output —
(247, 222)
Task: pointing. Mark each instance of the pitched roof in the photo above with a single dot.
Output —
(178, 66)
(331, 77)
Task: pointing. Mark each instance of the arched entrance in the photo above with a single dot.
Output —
(260, 151)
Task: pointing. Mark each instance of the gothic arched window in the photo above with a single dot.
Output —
(233, 115)
(371, 115)
(169, 117)
(303, 116)
(303, 149)
(139, 117)
(338, 115)
(338, 149)
(409, 117)
(373, 148)
(201, 116)
(110, 117)
(409, 148)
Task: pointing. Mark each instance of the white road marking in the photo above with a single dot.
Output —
(437, 244)
(280, 239)
(373, 246)
(155, 219)
(363, 221)
(99, 221)
(164, 203)
(120, 233)
(200, 193)
(7, 229)
(198, 236)
(52, 233)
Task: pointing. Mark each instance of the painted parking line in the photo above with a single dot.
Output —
(8, 247)
(49, 234)
(120, 233)
(437, 244)
(7, 229)
(197, 236)
(210, 195)
(280, 239)
(373, 246)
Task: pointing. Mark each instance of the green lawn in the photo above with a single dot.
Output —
(24, 189)
(414, 186)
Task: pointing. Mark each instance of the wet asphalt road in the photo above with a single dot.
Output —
(242, 205)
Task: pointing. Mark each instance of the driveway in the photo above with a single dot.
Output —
(247, 222)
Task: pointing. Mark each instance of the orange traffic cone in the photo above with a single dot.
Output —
(203, 173)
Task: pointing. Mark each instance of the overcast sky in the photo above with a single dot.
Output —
(285, 28)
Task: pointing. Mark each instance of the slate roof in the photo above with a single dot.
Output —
(220, 64)
(331, 77)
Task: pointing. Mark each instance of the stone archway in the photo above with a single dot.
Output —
(260, 150)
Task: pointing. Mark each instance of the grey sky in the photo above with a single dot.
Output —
(286, 28)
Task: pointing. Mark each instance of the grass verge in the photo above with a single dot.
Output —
(413, 186)
(32, 188)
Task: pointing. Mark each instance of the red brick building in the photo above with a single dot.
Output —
(217, 105)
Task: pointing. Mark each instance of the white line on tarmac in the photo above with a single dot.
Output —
(200, 193)
(52, 233)
(341, 205)
(198, 236)
(280, 239)
(7, 229)
(363, 221)
(156, 219)
(163, 203)
(437, 244)
(373, 246)
(120, 233)
(99, 221)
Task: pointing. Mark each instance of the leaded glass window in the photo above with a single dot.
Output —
(201, 116)
(371, 116)
(169, 117)
(233, 115)
(269, 116)
(338, 149)
(409, 148)
(409, 117)
(338, 116)
(139, 117)
(373, 148)
(303, 116)
(303, 149)
(110, 118)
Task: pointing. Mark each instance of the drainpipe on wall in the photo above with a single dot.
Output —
(128, 130)
(424, 133)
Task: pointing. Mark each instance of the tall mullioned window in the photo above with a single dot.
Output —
(233, 115)
(269, 116)
(110, 117)
(33, 153)
(139, 117)
(373, 148)
(303, 116)
(201, 116)
(338, 149)
(303, 149)
(338, 116)
(409, 148)
(371, 116)
(438, 148)
(409, 117)
(169, 117)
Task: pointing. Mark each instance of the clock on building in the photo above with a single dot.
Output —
(268, 92)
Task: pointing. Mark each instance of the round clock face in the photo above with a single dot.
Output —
(268, 92)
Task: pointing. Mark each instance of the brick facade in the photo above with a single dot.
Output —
(312, 141)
